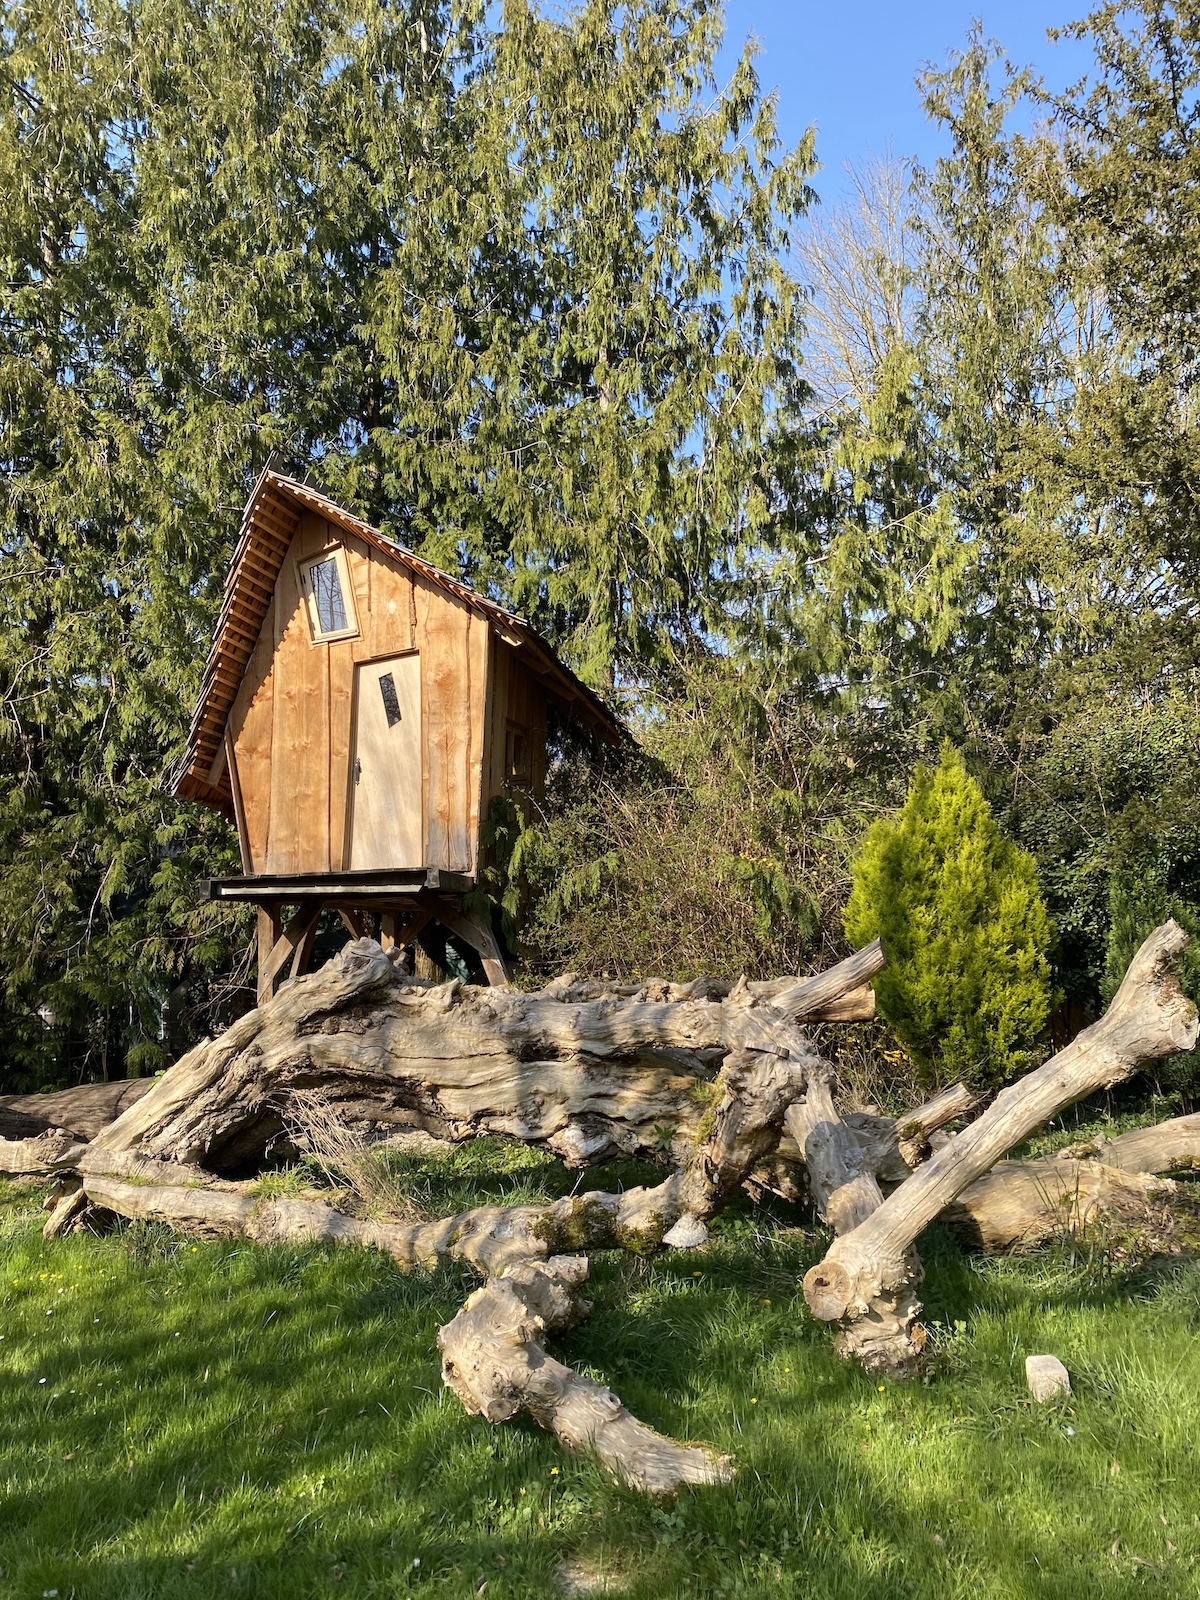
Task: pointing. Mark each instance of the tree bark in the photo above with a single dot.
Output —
(867, 1282)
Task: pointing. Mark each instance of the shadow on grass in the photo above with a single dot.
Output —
(222, 1419)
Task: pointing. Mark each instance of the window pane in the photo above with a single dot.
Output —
(327, 592)
(391, 701)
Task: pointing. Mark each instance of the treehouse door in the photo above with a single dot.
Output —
(385, 767)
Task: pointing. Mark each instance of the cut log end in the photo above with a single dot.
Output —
(828, 1288)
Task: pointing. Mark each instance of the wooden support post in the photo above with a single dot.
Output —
(427, 957)
(388, 924)
(304, 948)
(270, 926)
(353, 920)
(471, 927)
(420, 918)
(285, 949)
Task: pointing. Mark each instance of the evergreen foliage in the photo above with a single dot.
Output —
(1139, 903)
(516, 284)
(1001, 548)
(513, 284)
(967, 985)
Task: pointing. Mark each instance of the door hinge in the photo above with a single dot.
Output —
(357, 770)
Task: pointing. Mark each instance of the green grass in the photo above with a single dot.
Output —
(187, 1419)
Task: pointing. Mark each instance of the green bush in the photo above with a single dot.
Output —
(720, 844)
(967, 986)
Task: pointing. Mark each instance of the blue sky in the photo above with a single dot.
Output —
(849, 66)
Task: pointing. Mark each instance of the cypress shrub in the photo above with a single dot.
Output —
(967, 986)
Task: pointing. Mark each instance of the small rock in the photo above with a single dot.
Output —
(1047, 1377)
(687, 1234)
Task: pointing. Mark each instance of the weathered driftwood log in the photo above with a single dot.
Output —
(841, 1176)
(493, 1357)
(589, 1079)
(751, 1096)
(1172, 1146)
(1019, 1204)
(494, 1360)
(83, 1111)
(891, 1146)
(867, 1282)
(839, 994)
(40, 1155)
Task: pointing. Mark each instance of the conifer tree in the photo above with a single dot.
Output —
(511, 283)
(967, 985)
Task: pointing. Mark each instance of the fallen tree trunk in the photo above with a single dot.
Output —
(753, 1092)
(1172, 1146)
(493, 1358)
(588, 1079)
(82, 1111)
(1018, 1204)
(867, 1281)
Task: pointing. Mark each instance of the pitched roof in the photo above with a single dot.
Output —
(269, 523)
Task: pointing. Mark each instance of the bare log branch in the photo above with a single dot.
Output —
(494, 1360)
(40, 1156)
(840, 994)
(1020, 1203)
(810, 999)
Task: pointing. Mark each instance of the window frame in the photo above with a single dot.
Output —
(336, 553)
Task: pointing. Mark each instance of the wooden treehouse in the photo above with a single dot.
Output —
(360, 710)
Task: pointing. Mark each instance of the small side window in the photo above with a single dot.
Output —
(328, 596)
(516, 756)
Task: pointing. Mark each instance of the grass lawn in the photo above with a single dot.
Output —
(215, 1419)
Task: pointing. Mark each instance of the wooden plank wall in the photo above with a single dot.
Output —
(292, 723)
(517, 700)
